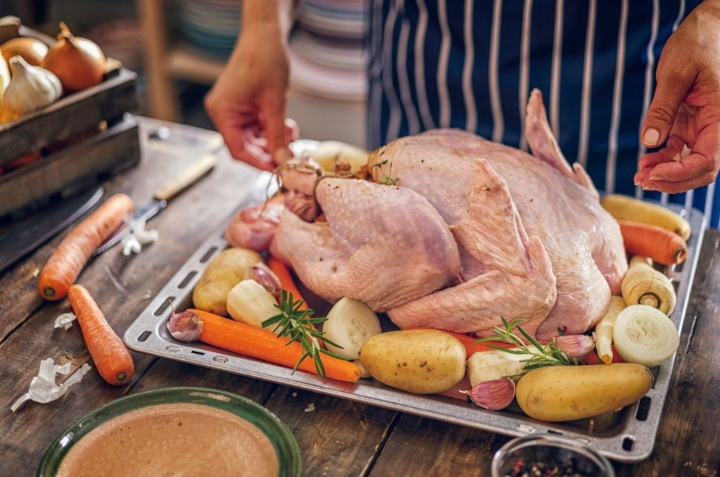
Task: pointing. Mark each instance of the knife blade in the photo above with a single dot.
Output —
(41, 226)
(161, 197)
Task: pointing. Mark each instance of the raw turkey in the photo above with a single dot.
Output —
(531, 238)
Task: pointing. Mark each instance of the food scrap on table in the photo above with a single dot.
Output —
(64, 320)
(138, 237)
(43, 388)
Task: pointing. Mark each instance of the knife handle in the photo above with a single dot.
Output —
(195, 171)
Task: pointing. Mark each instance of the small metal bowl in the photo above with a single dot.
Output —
(548, 452)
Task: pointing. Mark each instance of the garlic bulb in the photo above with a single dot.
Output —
(31, 87)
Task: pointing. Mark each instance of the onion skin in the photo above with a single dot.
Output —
(78, 62)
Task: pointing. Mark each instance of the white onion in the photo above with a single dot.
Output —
(645, 335)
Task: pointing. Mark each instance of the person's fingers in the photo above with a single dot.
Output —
(275, 132)
(673, 84)
(681, 186)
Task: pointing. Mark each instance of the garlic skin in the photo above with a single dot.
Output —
(30, 88)
(576, 346)
(262, 274)
(493, 395)
(185, 326)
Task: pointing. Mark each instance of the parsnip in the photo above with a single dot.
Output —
(644, 335)
(250, 303)
(491, 365)
(604, 329)
(644, 285)
(629, 208)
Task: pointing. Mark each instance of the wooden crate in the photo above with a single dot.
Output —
(82, 139)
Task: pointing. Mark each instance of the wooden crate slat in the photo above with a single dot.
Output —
(69, 116)
(84, 163)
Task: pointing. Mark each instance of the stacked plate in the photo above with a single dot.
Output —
(328, 49)
(207, 27)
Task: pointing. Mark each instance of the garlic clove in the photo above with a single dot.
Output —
(576, 346)
(185, 326)
(493, 395)
(262, 274)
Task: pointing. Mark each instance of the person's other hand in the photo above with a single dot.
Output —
(247, 102)
(685, 109)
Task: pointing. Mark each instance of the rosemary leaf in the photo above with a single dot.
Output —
(538, 355)
(299, 325)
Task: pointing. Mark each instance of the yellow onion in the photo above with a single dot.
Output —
(30, 49)
(78, 62)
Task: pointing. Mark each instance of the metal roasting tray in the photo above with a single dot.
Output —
(626, 436)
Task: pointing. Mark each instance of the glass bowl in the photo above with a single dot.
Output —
(282, 439)
(549, 452)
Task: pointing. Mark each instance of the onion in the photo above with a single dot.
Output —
(78, 62)
(30, 49)
(645, 335)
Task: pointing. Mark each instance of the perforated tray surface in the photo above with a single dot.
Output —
(627, 436)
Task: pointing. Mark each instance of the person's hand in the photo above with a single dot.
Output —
(685, 109)
(247, 102)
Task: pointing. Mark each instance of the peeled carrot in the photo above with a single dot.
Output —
(470, 344)
(286, 279)
(657, 243)
(262, 344)
(67, 261)
(112, 359)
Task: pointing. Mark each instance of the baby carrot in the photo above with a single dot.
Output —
(657, 243)
(262, 344)
(67, 261)
(286, 279)
(112, 359)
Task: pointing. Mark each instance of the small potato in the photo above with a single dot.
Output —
(566, 393)
(224, 271)
(417, 361)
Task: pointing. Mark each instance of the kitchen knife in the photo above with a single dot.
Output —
(33, 231)
(161, 197)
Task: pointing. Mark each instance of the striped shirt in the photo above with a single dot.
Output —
(472, 64)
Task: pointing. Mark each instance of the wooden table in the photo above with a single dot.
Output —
(338, 437)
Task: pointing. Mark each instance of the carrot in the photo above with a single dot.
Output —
(112, 359)
(593, 358)
(262, 344)
(67, 261)
(469, 342)
(657, 243)
(286, 279)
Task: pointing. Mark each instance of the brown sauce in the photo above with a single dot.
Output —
(180, 439)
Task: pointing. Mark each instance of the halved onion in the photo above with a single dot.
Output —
(349, 323)
(645, 335)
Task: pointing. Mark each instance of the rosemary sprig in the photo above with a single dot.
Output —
(538, 355)
(299, 325)
(387, 179)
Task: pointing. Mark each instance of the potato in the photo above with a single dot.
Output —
(566, 393)
(224, 271)
(417, 361)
